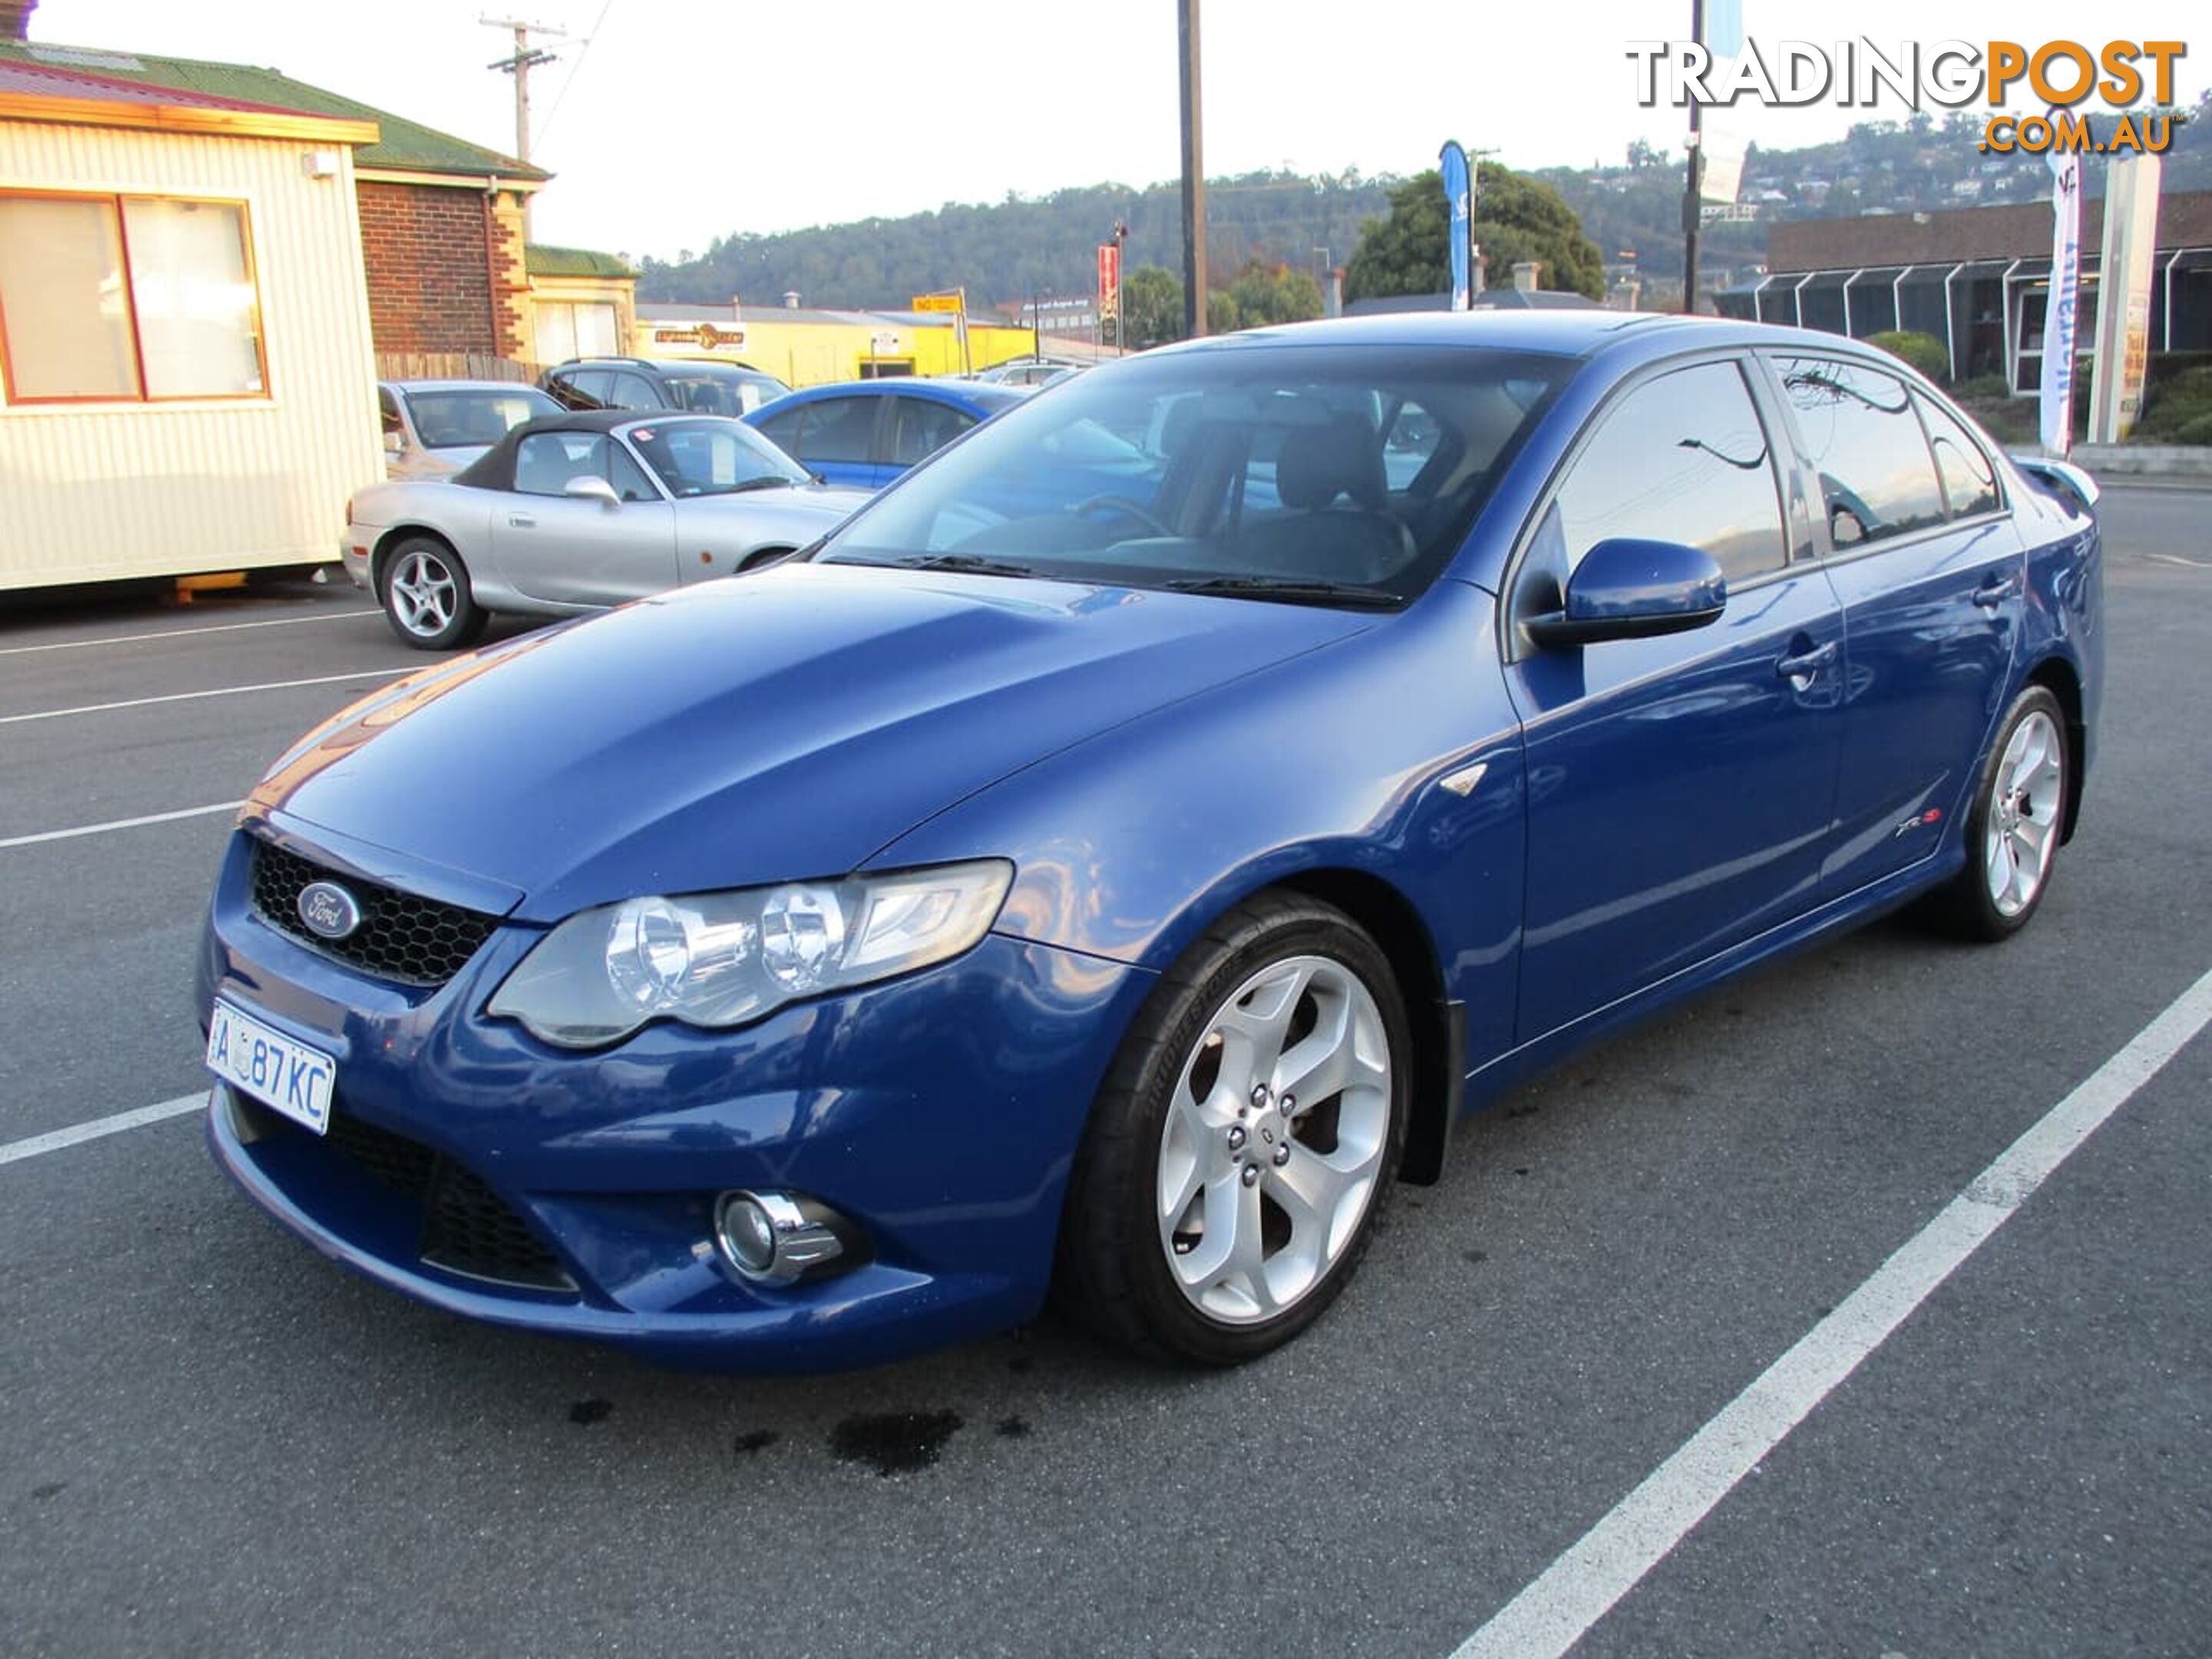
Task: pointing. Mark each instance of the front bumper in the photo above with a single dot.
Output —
(941, 1112)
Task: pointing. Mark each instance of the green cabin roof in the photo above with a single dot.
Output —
(403, 146)
(539, 260)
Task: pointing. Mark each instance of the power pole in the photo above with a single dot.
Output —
(1193, 177)
(1693, 195)
(527, 58)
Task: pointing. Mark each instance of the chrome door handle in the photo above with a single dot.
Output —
(1805, 665)
(1996, 590)
(522, 521)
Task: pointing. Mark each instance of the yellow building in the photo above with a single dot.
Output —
(186, 379)
(818, 348)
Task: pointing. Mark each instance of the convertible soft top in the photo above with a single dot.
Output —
(494, 468)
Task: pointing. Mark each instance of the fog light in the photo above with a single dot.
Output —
(773, 1238)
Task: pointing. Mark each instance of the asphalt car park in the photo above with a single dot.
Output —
(216, 1441)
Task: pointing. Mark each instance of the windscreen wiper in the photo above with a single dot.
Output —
(1289, 590)
(970, 564)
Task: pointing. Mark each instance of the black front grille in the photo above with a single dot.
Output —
(467, 1228)
(402, 937)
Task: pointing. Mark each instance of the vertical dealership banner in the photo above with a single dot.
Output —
(2122, 339)
(1456, 199)
(1109, 282)
(2058, 317)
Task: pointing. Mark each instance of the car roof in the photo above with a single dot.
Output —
(494, 468)
(971, 394)
(460, 386)
(1570, 333)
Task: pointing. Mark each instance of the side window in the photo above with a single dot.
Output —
(923, 428)
(840, 429)
(628, 477)
(634, 392)
(1680, 458)
(582, 388)
(546, 461)
(782, 430)
(1413, 438)
(1970, 482)
(1876, 474)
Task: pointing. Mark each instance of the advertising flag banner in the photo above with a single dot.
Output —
(2123, 339)
(1723, 31)
(1455, 198)
(1109, 282)
(2058, 317)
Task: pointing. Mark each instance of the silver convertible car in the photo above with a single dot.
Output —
(577, 512)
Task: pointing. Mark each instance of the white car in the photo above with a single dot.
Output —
(433, 429)
(578, 511)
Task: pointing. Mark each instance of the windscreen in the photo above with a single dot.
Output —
(711, 457)
(1311, 472)
(464, 417)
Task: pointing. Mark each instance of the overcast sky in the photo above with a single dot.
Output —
(670, 122)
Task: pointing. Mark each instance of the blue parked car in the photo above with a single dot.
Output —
(869, 432)
(808, 967)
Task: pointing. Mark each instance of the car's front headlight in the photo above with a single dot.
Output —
(724, 959)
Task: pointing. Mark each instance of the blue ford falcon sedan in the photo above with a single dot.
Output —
(1124, 850)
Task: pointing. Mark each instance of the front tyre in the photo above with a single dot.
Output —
(2013, 829)
(1244, 1141)
(427, 598)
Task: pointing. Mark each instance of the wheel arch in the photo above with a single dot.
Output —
(2059, 678)
(391, 537)
(1439, 1044)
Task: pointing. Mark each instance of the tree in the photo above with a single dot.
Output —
(1151, 307)
(1516, 217)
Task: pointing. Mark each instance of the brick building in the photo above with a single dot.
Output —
(441, 218)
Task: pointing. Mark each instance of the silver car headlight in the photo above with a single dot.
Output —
(721, 959)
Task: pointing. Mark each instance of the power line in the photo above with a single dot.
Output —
(576, 69)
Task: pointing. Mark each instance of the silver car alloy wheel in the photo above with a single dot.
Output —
(2028, 795)
(1274, 1139)
(423, 594)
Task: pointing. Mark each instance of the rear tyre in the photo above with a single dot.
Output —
(1244, 1141)
(427, 598)
(2015, 825)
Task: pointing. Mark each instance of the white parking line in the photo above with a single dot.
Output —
(184, 633)
(1557, 1608)
(188, 696)
(122, 823)
(12, 1150)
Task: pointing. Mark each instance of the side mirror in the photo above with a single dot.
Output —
(395, 444)
(593, 488)
(1626, 589)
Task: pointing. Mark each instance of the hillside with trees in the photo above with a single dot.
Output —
(1281, 224)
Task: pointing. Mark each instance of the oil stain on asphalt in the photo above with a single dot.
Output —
(894, 1443)
(756, 1440)
(590, 1410)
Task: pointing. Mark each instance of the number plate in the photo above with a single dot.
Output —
(291, 1077)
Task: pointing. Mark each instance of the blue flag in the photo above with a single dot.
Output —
(1724, 27)
(1455, 195)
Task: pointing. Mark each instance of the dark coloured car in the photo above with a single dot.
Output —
(866, 432)
(698, 386)
(1131, 842)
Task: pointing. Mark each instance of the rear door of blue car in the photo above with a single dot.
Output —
(1678, 787)
(1930, 570)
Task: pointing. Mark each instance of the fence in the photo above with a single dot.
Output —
(451, 366)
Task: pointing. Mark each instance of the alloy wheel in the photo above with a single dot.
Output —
(1274, 1139)
(2027, 798)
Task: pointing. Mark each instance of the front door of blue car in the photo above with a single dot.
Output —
(1931, 570)
(837, 439)
(1678, 787)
